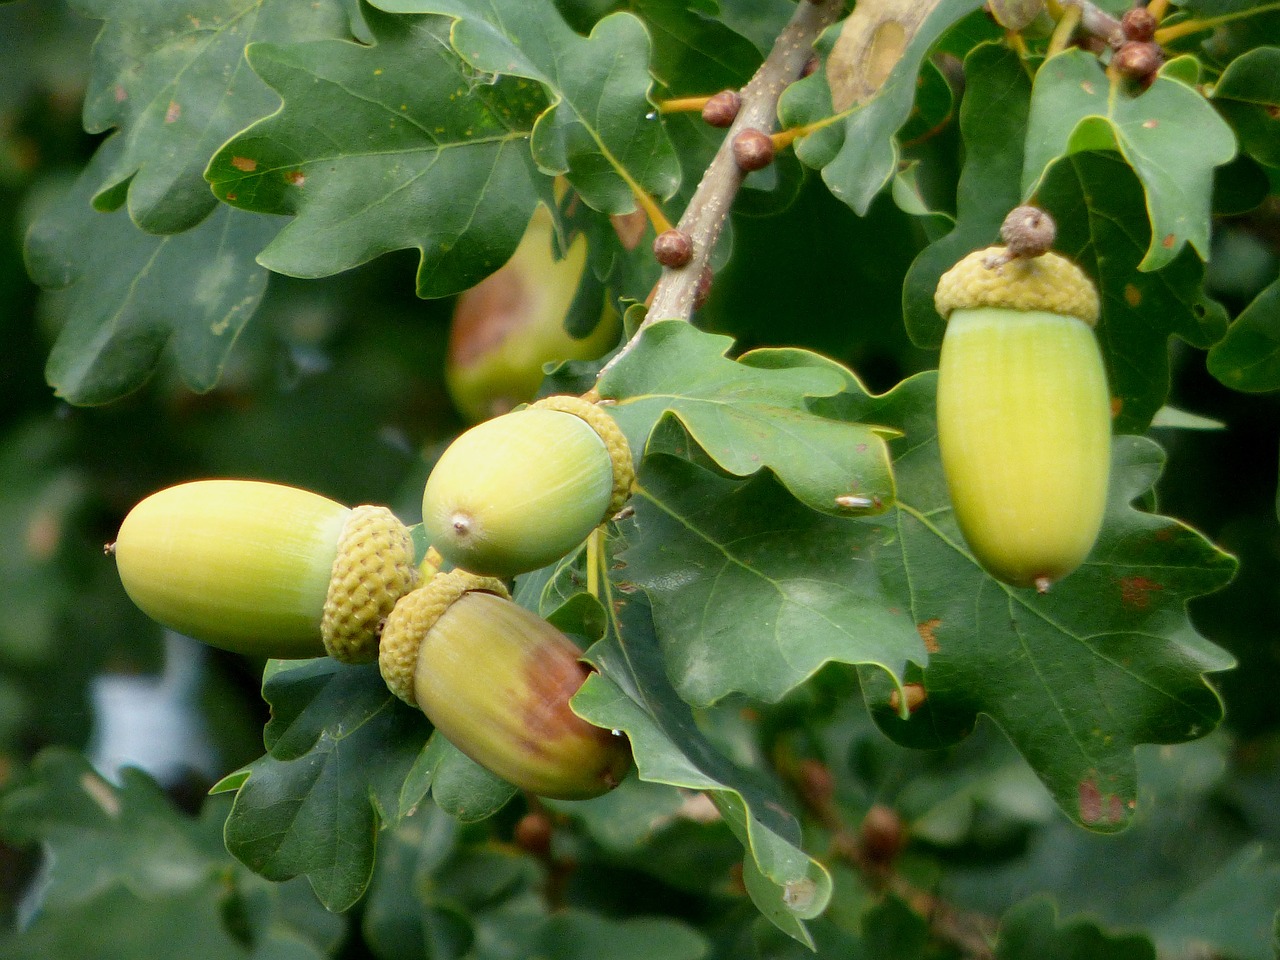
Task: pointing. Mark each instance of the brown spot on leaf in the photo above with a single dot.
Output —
(1135, 592)
(244, 164)
(173, 113)
(232, 197)
(1168, 241)
(121, 94)
(1132, 295)
(1117, 404)
(296, 178)
(927, 631)
(1087, 87)
(1151, 124)
(1097, 807)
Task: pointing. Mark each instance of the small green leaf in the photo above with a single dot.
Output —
(600, 130)
(1050, 669)
(192, 292)
(130, 876)
(172, 79)
(631, 693)
(1248, 357)
(460, 786)
(105, 833)
(340, 749)
(1248, 96)
(751, 413)
(1032, 931)
(1229, 914)
(427, 155)
(858, 155)
(1169, 135)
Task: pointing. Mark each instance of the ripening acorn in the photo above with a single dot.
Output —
(520, 491)
(1024, 413)
(496, 680)
(511, 323)
(265, 569)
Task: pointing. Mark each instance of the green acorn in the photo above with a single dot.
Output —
(496, 680)
(1024, 413)
(265, 569)
(518, 492)
(511, 323)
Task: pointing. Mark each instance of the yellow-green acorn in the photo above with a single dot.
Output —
(506, 327)
(496, 680)
(518, 492)
(265, 569)
(1024, 414)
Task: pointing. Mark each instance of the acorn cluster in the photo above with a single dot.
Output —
(276, 571)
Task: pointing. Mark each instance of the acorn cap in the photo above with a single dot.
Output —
(624, 471)
(414, 614)
(373, 569)
(988, 278)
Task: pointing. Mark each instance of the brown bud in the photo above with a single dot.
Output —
(816, 785)
(883, 835)
(533, 833)
(1028, 232)
(1138, 59)
(753, 150)
(722, 109)
(673, 248)
(704, 288)
(1138, 23)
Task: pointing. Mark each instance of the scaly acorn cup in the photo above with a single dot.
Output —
(511, 323)
(265, 569)
(518, 492)
(1024, 414)
(496, 680)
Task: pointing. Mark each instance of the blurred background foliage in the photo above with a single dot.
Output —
(337, 385)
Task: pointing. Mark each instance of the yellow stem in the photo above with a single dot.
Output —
(1158, 8)
(1166, 34)
(1064, 31)
(651, 209)
(784, 138)
(1054, 8)
(595, 561)
(682, 104)
(1019, 45)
